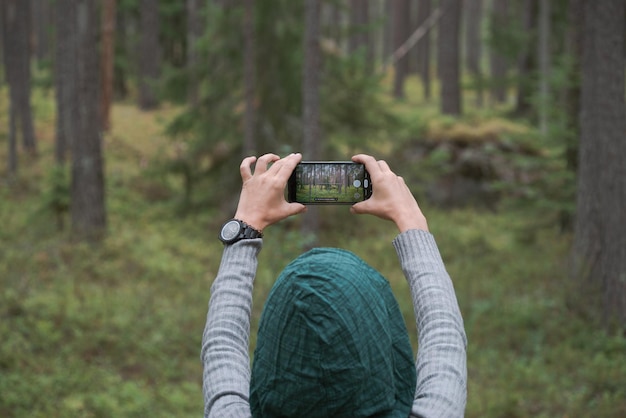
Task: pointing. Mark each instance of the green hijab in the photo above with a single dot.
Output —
(332, 343)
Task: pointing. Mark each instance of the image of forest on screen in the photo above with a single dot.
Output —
(329, 183)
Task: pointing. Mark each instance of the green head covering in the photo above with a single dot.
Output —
(332, 343)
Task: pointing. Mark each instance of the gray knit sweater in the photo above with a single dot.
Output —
(441, 389)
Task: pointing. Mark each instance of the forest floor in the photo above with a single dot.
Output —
(114, 330)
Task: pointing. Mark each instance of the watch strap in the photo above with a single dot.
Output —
(249, 232)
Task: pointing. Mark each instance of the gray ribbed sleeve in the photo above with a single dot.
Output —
(225, 342)
(441, 359)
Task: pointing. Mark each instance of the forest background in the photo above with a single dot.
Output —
(123, 123)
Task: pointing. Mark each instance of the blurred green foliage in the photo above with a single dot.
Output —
(114, 330)
(209, 134)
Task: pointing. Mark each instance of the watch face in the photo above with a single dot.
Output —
(230, 230)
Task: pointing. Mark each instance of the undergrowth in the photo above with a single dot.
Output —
(114, 330)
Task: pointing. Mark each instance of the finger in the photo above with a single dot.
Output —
(370, 163)
(287, 165)
(263, 161)
(246, 168)
(384, 167)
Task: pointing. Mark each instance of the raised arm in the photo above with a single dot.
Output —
(441, 389)
(225, 342)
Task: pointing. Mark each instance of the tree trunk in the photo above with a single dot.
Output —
(87, 190)
(499, 66)
(599, 248)
(66, 76)
(526, 61)
(249, 70)
(572, 94)
(311, 100)
(108, 56)
(423, 47)
(377, 34)
(360, 36)
(328, 19)
(401, 33)
(388, 40)
(573, 45)
(356, 40)
(12, 161)
(2, 44)
(412, 52)
(449, 57)
(17, 17)
(195, 26)
(543, 54)
(41, 28)
(120, 66)
(473, 50)
(149, 54)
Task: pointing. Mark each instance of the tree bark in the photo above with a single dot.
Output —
(195, 27)
(311, 100)
(574, 44)
(2, 43)
(17, 17)
(120, 66)
(388, 40)
(473, 44)
(108, 57)
(360, 37)
(412, 52)
(599, 248)
(12, 160)
(149, 54)
(423, 48)
(87, 190)
(402, 22)
(249, 70)
(310, 92)
(499, 66)
(449, 55)
(526, 61)
(66, 76)
(41, 28)
(571, 96)
(543, 53)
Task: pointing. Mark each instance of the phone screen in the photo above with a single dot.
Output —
(329, 182)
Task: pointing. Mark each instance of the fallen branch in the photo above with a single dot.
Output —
(414, 38)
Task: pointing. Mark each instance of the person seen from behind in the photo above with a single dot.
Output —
(331, 340)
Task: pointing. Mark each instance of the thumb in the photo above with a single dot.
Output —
(295, 208)
(359, 208)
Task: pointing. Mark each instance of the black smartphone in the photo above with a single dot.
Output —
(329, 183)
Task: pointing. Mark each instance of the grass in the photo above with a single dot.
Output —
(114, 330)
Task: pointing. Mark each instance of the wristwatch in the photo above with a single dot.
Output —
(235, 230)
